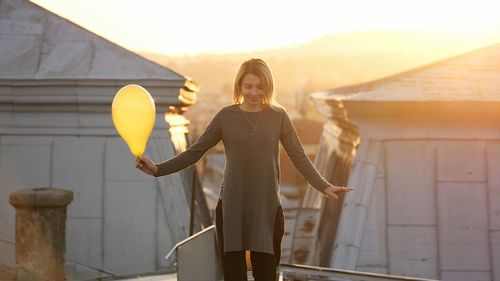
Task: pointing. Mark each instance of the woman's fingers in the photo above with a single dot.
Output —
(332, 191)
(332, 194)
(343, 189)
(145, 164)
(139, 163)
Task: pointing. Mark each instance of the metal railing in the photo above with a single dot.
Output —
(310, 273)
(287, 272)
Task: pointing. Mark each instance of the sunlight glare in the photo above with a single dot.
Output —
(193, 26)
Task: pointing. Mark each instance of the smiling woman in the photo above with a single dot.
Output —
(194, 26)
(249, 214)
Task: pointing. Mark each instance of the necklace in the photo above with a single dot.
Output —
(250, 123)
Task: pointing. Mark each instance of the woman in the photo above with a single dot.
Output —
(249, 214)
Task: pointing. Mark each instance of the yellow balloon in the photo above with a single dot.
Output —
(133, 111)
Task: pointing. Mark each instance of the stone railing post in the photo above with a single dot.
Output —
(41, 231)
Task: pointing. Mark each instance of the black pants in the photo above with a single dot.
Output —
(263, 264)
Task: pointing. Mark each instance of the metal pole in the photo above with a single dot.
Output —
(193, 193)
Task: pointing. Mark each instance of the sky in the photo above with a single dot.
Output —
(189, 27)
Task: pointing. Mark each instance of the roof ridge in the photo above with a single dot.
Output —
(105, 41)
(372, 83)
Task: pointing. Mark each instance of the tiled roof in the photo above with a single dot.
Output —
(473, 76)
(38, 44)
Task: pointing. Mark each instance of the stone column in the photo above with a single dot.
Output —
(41, 231)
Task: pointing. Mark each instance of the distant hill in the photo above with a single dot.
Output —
(325, 63)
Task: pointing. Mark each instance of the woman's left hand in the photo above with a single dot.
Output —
(333, 191)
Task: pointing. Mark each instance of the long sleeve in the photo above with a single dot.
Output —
(294, 149)
(207, 140)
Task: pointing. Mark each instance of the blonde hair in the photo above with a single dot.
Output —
(260, 69)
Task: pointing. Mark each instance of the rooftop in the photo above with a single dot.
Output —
(38, 44)
(473, 76)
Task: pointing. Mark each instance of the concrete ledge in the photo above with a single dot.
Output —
(41, 197)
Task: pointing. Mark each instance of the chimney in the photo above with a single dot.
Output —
(41, 231)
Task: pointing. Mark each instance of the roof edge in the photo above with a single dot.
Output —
(107, 40)
(369, 85)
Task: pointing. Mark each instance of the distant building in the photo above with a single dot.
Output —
(309, 132)
(426, 174)
(57, 82)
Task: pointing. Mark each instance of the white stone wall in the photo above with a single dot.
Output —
(116, 220)
(435, 202)
(57, 82)
(434, 211)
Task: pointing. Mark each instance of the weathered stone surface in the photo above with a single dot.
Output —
(463, 226)
(413, 251)
(8, 253)
(348, 239)
(290, 221)
(117, 153)
(58, 30)
(34, 90)
(306, 223)
(96, 120)
(381, 127)
(24, 12)
(74, 159)
(6, 118)
(452, 190)
(46, 119)
(495, 253)
(461, 161)
(373, 248)
(67, 60)
(10, 27)
(463, 78)
(173, 197)
(129, 215)
(466, 275)
(493, 163)
(410, 128)
(7, 272)
(23, 274)
(83, 241)
(96, 90)
(35, 45)
(40, 230)
(381, 163)
(41, 198)
(108, 62)
(8, 6)
(31, 35)
(301, 252)
(372, 269)
(362, 178)
(14, 150)
(20, 55)
(165, 242)
(410, 182)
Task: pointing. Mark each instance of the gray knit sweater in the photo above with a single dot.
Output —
(250, 193)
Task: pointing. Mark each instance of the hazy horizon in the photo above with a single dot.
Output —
(323, 64)
(465, 38)
(191, 27)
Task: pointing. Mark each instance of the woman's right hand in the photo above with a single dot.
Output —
(333, 191)
(145, 164)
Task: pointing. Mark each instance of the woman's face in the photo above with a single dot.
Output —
(252, 90)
